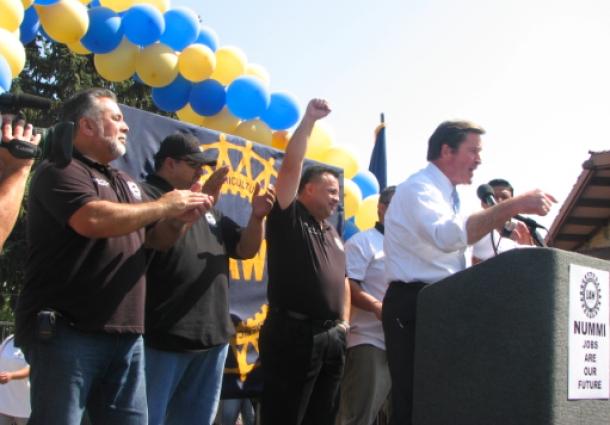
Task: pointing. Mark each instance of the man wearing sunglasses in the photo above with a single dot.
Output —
(188, 325)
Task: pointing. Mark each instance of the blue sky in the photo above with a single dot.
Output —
(535, 74)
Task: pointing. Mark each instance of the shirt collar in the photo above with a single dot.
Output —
(443, 182)
(325, 225)
(159, 182)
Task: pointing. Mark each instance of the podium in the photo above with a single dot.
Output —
(492, 344)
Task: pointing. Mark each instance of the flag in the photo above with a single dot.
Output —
(378, 164)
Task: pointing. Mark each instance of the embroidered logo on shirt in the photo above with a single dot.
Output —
(101, 182)
(135, 190)
(210, 218)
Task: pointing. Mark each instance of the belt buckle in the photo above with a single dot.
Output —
(328, 324)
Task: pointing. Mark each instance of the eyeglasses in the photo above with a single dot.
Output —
(193, 164)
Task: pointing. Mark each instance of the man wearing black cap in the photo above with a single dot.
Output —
(187, 312)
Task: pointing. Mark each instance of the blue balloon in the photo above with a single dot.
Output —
(45, 2)
(283, 112)
(6, 76)
(367, 182)
(181, 28)
(104, 33)
(349, 228)
(29, 26)
(207, 37)
(143, 24)
(207, 97)
(247, 97)
(94, 3)
(174, 96)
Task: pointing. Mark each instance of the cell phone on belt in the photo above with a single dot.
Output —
(46, 325)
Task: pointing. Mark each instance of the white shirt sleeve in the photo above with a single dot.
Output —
(358, 256)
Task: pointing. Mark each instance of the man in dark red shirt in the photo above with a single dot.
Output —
(80, 316)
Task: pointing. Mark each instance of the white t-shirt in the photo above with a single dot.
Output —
(425, 239)
(365, 263)
(15, 395)
(484, 249)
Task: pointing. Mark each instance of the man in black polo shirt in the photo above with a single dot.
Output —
(302, 343)
(188, 325)
(80, 315)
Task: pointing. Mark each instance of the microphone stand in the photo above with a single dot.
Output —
(538, 240)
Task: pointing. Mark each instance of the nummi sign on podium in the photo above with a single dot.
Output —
(521, 339)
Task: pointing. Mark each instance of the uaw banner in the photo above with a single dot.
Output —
(249, 163)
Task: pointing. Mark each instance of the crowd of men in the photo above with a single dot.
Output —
(124, 311)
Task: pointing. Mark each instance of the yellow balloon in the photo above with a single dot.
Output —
(85, 2)
(78, 48)
(366, 217)
(254, 130)
(65, 21)
(342, 158)
(280, 139)
(12, 14)
(26, 3)
(224, 121)
(118, 5)
(157, 65)
(196, 62)
(13, 51)
(319, 141)
(161, 5)
(259, 72)
(187, 114)
(352, 198)
(230, 64)
(118, 65)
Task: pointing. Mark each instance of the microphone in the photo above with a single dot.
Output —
(13, 101)
(486, 194)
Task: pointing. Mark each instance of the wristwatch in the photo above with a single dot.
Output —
(21, 149)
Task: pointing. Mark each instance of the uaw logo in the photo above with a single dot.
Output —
(590, 295)
(249, 164)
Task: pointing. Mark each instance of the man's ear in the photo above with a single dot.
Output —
(87, 126)
(446, 151)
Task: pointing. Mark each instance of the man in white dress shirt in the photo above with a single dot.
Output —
(426, 239)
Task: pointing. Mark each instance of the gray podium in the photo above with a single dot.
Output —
(492, 345)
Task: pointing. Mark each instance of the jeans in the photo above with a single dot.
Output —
(100, 371)
(184, 387)
(302, 369)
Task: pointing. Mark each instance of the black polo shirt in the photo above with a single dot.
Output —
(306, 263)
(98, 284)
(187, 300)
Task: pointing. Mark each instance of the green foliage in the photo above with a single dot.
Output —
(54, 72)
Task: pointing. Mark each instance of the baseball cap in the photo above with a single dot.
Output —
(184, 145)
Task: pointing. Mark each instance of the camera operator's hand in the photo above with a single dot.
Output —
(13, 131)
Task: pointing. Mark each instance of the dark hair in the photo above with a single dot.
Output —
(386, 195)
(452, 134)
(314, 172)
(84, 103)
(501, 183)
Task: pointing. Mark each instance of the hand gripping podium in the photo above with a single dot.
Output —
(493, 344)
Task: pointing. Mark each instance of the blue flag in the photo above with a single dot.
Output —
(378, 164)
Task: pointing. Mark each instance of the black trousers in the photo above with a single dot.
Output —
(398, 319)
(302, 368)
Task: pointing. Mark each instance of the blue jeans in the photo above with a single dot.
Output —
(184, 387)
(100, 371)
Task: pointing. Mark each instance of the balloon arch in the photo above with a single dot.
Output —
(170, 50)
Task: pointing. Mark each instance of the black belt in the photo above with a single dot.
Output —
(295, 315)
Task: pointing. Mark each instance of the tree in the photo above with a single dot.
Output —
(54, 72)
